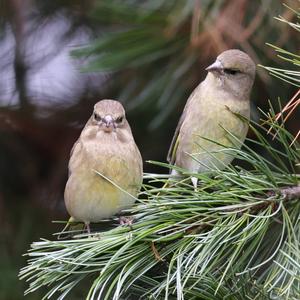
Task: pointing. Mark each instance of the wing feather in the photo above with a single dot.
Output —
(171, 158)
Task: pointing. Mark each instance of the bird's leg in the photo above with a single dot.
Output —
(194, 182)
(87, 226)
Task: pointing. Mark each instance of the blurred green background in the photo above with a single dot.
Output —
(57, 58)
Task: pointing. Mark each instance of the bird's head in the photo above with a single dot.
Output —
(235, 71)
(109, 115)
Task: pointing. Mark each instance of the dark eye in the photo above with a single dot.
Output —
(97, 117)
(231, 71)
(119, 119)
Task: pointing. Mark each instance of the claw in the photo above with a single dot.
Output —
(126, 221)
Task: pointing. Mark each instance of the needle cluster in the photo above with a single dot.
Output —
(237, 236)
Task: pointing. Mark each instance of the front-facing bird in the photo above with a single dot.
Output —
(211, 115)
(105, 168)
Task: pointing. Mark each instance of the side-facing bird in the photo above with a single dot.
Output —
(105, 167)
(211, 114)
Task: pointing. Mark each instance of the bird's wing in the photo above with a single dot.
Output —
(77, 147)
(175, 141)
(76, 144)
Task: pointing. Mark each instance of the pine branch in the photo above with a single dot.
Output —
(289, 76)
(237, 237)
(240, 223)
(291, 193)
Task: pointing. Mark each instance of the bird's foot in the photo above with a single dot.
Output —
(126, 221)
(87, 227)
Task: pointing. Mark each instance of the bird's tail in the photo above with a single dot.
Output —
(168, 183)
(72, 227)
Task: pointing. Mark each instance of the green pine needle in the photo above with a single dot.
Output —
(190, 244)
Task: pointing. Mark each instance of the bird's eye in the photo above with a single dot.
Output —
(119, 119)
(231, 71)
(97, 117)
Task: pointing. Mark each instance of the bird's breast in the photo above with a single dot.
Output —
(103, 176)
(116, 161)
(211, 119)
(210, 124)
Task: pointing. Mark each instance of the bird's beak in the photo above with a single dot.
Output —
(109, 123)
(215, 67)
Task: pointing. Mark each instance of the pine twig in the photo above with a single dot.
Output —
(291, 193)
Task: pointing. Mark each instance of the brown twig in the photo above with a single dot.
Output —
(156, 253)
(289, 108)
(292, 103)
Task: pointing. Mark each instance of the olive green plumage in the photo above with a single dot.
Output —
(105, 168)
(212, 107)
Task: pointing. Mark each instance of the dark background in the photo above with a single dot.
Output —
(46, 98)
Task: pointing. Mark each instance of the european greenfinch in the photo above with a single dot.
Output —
(214, 110)
(105, 167)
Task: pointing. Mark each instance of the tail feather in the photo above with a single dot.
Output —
(72, 227)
